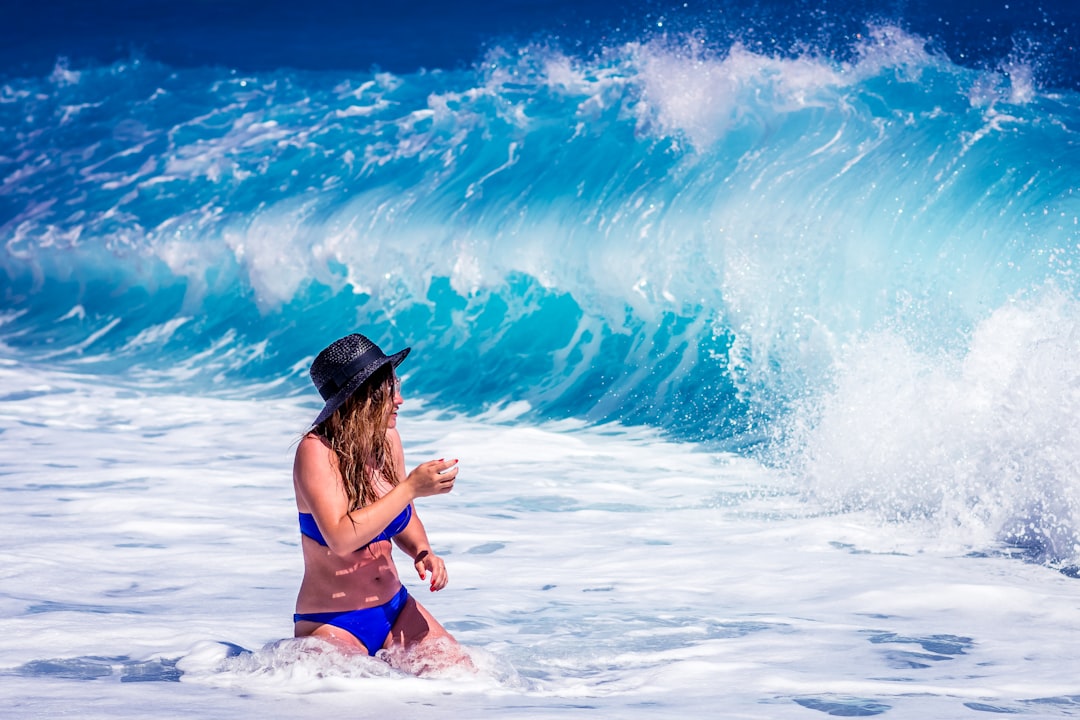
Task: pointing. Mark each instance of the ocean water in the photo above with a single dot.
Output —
(755, 328)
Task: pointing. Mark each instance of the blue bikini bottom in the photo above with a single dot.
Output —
(369, 625)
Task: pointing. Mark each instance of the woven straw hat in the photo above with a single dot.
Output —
(340, 369)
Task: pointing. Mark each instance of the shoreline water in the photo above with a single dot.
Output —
(599, 570)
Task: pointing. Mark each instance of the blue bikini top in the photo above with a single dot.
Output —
(311, 529)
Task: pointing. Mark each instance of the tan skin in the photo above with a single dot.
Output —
(340, 577)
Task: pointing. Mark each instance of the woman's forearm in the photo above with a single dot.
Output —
(413, 540)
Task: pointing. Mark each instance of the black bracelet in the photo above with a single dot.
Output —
(422, 554)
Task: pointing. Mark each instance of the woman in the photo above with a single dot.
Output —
(354, 497)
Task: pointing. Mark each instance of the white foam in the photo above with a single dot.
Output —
(687, 89)
(601, 568)
(980, 443)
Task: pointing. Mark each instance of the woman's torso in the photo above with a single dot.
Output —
(364, 578)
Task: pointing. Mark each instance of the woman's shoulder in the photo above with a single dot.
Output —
(313, 437)
(312, 447)
(314, 471)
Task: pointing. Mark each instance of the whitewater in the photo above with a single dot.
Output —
(762, 369)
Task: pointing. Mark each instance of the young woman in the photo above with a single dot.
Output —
(354, 498)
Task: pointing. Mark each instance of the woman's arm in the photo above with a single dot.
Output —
(319, 487)
(413, 540)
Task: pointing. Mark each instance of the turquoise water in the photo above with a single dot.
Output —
(760, 357)
(662, 234)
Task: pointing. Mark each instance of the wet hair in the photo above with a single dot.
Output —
(357, 434)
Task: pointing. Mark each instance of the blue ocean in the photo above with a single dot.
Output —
(755, 327)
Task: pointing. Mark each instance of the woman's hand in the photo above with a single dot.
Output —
(428, 561)
(435, 477)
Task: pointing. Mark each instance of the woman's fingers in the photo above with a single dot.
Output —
(434, 477)
(435, 565)
(439, 578)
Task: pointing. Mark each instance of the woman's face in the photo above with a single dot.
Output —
(395, 402)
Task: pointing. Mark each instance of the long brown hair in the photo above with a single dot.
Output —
(357, 434)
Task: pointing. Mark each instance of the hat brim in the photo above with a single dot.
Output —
(338, 398)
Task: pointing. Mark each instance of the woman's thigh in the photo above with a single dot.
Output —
(343, 639)
(415, 624)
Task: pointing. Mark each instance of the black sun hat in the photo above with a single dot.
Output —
(340, 369)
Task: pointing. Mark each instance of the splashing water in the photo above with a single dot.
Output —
(759, 357)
